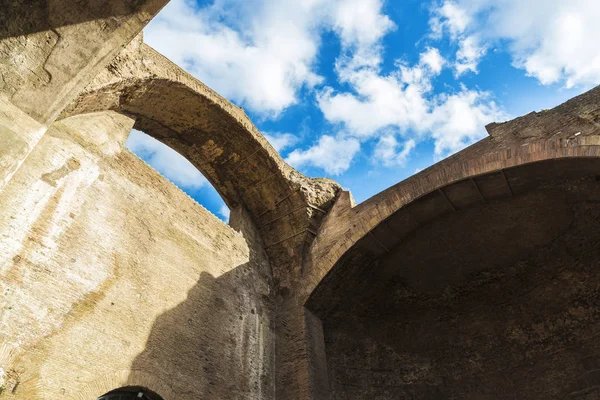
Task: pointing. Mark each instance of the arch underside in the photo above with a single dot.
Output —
(220, 141)
(484, 289)
(237, 161)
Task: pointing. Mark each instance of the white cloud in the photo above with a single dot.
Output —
(360, 22)
(554, 41)
(449, 17)
(224, 212)
(360, 25)
(281, 141)
(469, 54)
(379, 102)
(433, 60)
(459, 119)
(386, 151)
(334, 155)
(403, 102)
(165, 160)
(260, 53)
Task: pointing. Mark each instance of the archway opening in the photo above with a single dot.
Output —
(178, 170)
(130, 393)
(485, 289)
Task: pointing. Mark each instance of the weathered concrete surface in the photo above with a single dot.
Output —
(51, 49)
(111, 275)
(19, 134)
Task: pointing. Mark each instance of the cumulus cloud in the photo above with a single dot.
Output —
(449, 17)
(165, 160)
(260, 53)
(391, 153)
(360, 22)
(224, 212)
(360, 25)
(260, 65)
(281, 141)
(333, 155)
(457, 120)
(469, 54)
(433, 60)
(403, 102)
(554, 41)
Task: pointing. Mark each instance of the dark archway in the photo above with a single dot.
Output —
(484, 289)
(130, 393)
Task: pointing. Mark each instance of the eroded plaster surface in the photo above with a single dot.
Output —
(110, 276)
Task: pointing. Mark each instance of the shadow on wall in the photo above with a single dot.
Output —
(218, 343)
(25, 17)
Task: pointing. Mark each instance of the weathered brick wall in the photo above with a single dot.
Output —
(111, 275)
(499, 301)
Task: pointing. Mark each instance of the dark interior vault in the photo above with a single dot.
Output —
(473, 292)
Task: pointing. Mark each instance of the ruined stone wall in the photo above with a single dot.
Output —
(495, 302)
(112, 276)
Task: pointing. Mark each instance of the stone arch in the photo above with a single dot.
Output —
(125, 379)
(220, 140)
(458, 194)
(213, 134)
(570, 130)
(523, 231)
(362, 221)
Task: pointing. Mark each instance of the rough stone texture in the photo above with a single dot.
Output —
(109, 267)
(220, 140)
(495, 301)
(476, 278)
(50, 49)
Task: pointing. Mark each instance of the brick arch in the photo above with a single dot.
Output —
(117, 379)
(210, 132)
(213, 134)
(221, 141)
(469, 260)
(367, 222)
(568, 131)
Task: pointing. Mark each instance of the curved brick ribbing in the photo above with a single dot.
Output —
(365, 217)
(113, 277)
(118, 379)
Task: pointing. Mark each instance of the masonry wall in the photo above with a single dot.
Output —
(112, 276)
(495, 302)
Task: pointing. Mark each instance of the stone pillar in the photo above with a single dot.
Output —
(301, 363)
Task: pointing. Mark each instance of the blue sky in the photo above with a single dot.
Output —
(368, 92)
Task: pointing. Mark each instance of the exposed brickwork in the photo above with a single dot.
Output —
(497, 301)
(110, 276)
